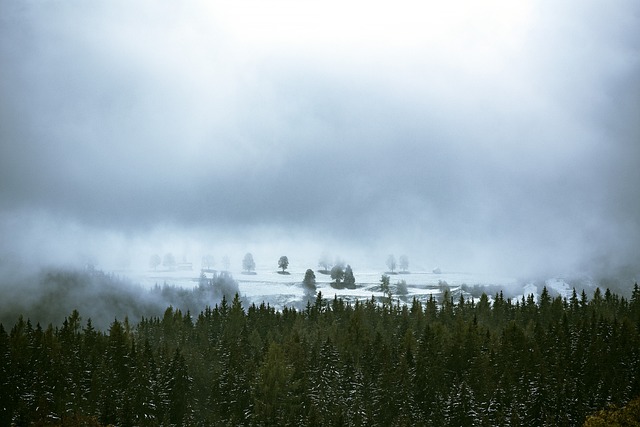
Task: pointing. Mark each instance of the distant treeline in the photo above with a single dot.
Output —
(462, 363)
(51, 294)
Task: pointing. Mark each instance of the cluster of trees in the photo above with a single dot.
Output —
(392, 264)
(628, 416)
(343, 277)
(341, 273)
(334, 363)
(168, 261)
(327, 267)
(208, 261)
(248, 264)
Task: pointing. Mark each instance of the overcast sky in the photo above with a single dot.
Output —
(477, 135)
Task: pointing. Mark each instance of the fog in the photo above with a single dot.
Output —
(486, 137)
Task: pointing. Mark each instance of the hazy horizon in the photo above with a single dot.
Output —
(481, 137)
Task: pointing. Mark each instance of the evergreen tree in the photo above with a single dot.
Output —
(384, 286)
(337, 363)
(628, 416)
(176, 387)
(349, 278)
(326, 395)
(309, 282)
(272, 388)
(6, 386)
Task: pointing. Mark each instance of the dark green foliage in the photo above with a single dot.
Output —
(629, 416)
(309, 281)
(384, 283)
(309, 286)
(349, 278)
(461, 362)
(337, 274)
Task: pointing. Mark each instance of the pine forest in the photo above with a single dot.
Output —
(449, 362)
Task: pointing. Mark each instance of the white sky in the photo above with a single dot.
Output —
(493, 134)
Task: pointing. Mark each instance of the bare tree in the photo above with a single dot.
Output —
(207, 261)
(404, 263)
(154, 261)
(325, 263)
(169, 260)
(391, 263)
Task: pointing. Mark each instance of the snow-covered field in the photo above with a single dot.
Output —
(281, 290)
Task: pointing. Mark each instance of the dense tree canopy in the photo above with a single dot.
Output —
(492, 362)
(629, 416)
(283, 263)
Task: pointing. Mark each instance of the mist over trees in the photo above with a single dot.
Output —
(248, 264)
(309, 281)
(49, 295)
(404, 263)
(325, 263)
(491, 137)
(226, 263)
(309, 285)
(372, 363)
(391, 263)
(207, 261)
(169, 261)
(401, 288)
(154, 261)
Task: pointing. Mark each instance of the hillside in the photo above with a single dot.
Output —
(333, 363)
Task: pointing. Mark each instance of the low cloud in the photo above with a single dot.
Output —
(510, 147)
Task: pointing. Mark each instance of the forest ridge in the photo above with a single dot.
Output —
(464, 363)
